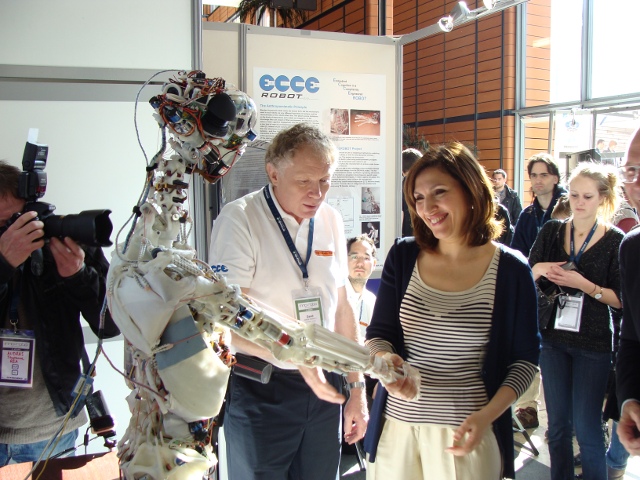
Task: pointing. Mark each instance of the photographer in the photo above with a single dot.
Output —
(44, 309)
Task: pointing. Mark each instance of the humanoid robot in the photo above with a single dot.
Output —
(175, 312)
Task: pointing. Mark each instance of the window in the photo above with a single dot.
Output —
(614, 71)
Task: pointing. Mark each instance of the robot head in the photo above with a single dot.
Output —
(210, 122)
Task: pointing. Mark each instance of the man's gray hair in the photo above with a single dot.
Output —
(287, 142)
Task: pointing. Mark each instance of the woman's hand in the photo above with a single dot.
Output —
(406, 388)
(469, 434)
(568, 278)
(541, 269)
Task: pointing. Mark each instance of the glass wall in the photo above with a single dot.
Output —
(566, 50)
(580, 93)
(614, 71)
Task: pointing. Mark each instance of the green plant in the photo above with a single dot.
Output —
(289, 17)
(412, 139)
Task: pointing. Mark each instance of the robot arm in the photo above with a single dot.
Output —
(176, 313)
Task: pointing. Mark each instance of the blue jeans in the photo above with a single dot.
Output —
(617, 455)
(30, 452)
(574, 383)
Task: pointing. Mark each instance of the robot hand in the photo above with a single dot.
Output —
(176, 314)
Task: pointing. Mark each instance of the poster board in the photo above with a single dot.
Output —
(347, 86)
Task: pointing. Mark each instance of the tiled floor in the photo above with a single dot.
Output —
(537, 437)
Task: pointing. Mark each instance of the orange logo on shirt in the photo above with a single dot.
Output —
(324, 253)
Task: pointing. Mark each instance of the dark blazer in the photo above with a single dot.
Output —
(530, 222)
(53, 305)
(628, 362)
(514, 332)
(512, 203)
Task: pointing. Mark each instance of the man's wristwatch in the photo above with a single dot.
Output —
(598, 295)
(353, 385)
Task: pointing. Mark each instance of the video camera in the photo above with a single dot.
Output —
(90, 227)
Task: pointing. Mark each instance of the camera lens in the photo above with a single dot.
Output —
(90, 227)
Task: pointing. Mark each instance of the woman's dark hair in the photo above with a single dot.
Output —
(457, 161)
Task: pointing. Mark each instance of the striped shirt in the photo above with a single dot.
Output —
(446, 336)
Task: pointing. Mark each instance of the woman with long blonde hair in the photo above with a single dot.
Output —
(580, 255)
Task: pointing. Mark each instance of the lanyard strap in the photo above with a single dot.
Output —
(15, 300)
(287, 237)
(540, 220)
(576, 258)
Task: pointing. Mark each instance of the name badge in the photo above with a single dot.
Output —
(569, 312)
(307, 304)
(17, 354)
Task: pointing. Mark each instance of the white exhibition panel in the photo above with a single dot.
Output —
(347, 55)
(137, 34)
(221, 52)
(305, 51)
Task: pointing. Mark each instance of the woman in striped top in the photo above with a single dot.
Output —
(463, 311)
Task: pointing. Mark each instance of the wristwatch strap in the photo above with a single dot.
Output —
(353, 385)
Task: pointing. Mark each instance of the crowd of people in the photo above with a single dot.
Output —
(455, 313)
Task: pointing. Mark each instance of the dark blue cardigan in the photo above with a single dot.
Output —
(514, 332)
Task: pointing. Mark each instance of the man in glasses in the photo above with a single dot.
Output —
(362, 260)
(627, 371)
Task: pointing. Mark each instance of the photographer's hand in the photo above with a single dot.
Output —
(22, 238)
(68, 255)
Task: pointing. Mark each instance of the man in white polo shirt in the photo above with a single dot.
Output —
(285, 247)
(362, 260)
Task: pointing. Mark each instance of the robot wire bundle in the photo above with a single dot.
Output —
(175, 312)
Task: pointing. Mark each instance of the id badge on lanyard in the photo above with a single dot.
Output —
(17, 356)
(569, 312)
(307, 304)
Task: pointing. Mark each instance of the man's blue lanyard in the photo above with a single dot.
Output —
(576, 258)
(539, 220)
(287, 237)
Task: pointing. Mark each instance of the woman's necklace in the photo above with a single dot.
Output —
(582, 234)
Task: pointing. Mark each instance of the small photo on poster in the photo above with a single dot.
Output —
(365, 122)
(372, 230)
(370, 203)
(339, 121)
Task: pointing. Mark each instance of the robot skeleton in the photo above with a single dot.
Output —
(175, 312)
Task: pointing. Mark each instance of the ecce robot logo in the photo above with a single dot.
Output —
(286, 86)
(220, 268)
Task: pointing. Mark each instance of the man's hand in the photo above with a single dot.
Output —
(356, 416)
(68, 255)
(629, 427)
(318, 383)
(22, 238)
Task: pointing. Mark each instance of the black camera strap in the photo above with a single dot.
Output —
(15, 300)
